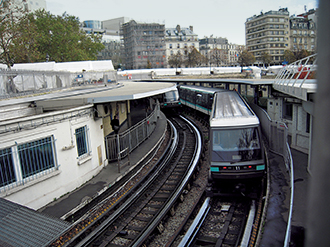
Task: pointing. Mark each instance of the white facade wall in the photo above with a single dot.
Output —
(72, 172)
(297, 126)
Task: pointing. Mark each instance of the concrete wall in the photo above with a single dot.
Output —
(72, 172)
(300, 139)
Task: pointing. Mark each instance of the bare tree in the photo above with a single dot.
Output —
(218, 57)
(175, 60)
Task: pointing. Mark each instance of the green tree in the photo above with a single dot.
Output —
(246, 58)
(266, 58)
(24, 48)
(62, 40)
(10, 16)
(175, 60)
(289, 56)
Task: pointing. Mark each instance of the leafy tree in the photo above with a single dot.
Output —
(301, 53)
(61, 39)
(289, 56)
(245, 58)
(175, 60)
(24, 47)
(266, 58)
(148, 64)
(10, 16)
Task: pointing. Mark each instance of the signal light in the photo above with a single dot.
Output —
(249, 167)
(224, 168)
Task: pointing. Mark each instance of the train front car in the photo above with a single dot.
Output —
(236, 150)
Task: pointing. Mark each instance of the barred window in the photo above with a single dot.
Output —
(36, 156)
(6, 167)
(26, 160)
(82, 140)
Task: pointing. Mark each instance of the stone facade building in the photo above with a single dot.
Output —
(274, 32)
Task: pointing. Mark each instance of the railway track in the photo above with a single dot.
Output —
(224, 220)
(139, 214)
(221, 223)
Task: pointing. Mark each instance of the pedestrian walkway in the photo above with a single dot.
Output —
(107, 177)
(279, 201)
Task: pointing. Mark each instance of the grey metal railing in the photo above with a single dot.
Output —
(119, 146)
(276, 133)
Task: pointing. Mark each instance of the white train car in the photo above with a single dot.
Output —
(236, 150)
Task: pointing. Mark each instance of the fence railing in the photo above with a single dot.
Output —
(119, 146)
(276, 133)
(23, 82)
(298, 77)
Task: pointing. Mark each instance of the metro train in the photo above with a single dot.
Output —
(235, 151)
(169, 101)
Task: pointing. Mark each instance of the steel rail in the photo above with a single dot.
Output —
(100, 229)
(178, 191)
(197, 223)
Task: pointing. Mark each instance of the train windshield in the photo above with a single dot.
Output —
(235, 145)
(171, 96)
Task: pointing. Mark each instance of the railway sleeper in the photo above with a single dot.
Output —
(135, 228)
(129, 236)
(161, 196)
(143, 218)
(206, 240)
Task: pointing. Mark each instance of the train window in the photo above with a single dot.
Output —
(235, 139)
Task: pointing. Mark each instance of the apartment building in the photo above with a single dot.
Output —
(219, 52)
(268, 33)
(274, 32)
(144, 45)
(180, 39)
(303, 31)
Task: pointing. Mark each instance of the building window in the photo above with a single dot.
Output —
(26, 160)
(36, 156)
(6, 167)
(82, 141)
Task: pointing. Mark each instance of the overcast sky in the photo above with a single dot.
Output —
(222, 18)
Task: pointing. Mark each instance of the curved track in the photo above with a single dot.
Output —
(137, 215)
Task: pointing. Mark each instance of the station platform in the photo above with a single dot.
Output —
(279, 201)
(108, 176)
